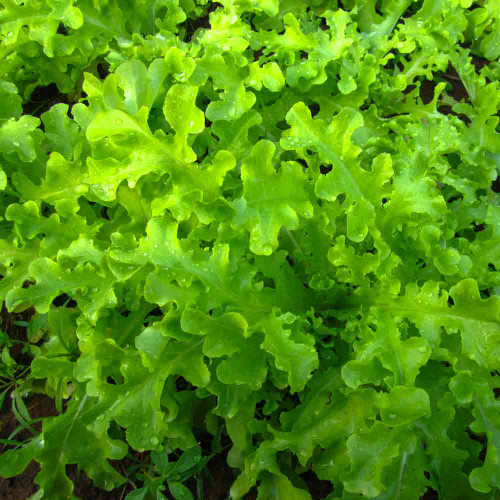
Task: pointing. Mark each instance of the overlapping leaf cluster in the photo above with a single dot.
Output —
(288, 207)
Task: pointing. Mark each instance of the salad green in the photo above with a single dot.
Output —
(273, 219)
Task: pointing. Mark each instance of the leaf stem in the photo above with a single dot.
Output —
(291, 237)
(134, 320)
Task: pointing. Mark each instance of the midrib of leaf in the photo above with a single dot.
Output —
(73, 421)
(432, 311)
(59, 193)
(436, 312)
(402, 467)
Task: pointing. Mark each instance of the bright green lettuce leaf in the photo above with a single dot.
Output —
(298, 359)
(270, 199)
(257, 223)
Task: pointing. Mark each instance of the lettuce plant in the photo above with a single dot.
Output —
(277, 220)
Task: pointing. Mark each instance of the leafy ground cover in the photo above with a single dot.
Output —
(250, 248)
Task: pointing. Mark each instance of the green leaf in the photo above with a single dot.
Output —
(14, 462)
(74, 437)
(255, 217)
(190, 120)
(16, 137)
(403, 405)
(138, 494)
(160, 459)
(188, 460)
(296, 358)
(179, 491)
(370, 452)
(61, 133)
(11, 101)
(2, 398)
(270, 199)
(280, 487)
(223, 335)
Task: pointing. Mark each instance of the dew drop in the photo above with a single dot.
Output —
(191, 124)
(392, 415)
(10, 34)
